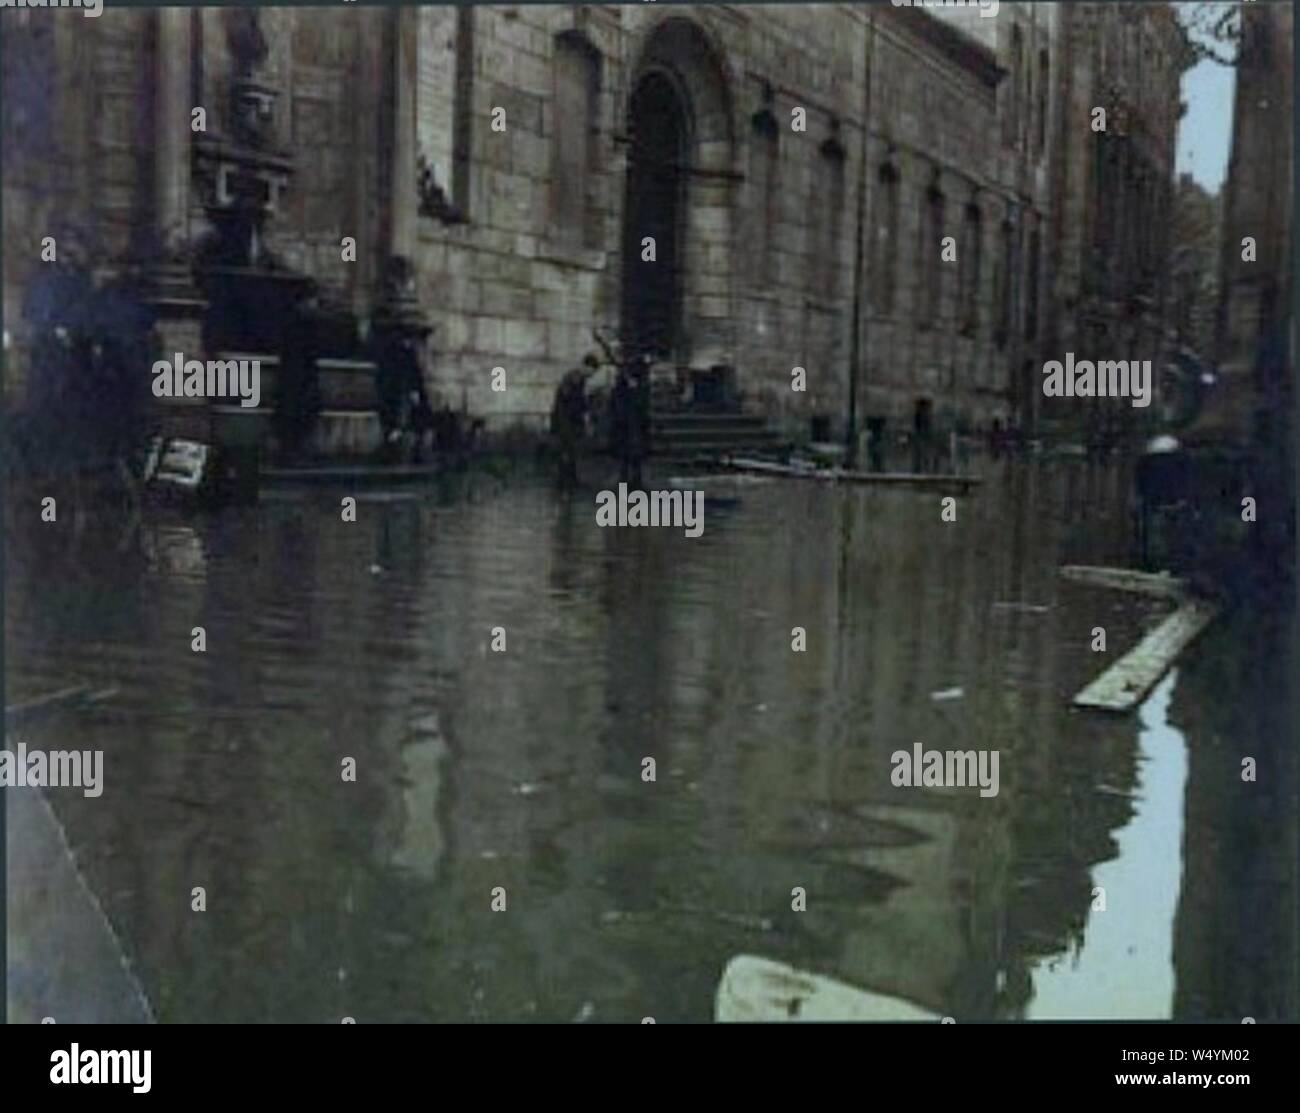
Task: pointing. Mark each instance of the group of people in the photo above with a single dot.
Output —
(629, 418)
(87, 401)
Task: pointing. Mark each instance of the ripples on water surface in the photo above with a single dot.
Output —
(522, 769)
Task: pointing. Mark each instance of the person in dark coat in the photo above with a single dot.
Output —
(298, 398)
(569, 418)
(630, 420)
(419, 412)
(403, 403)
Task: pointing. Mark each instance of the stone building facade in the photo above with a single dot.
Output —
(1113, 189)
(1256, 336)
(499, 171)
(1258, 203)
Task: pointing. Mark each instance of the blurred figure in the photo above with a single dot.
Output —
(569, 418)
(403, 403)
(629, 406)
(298, 398)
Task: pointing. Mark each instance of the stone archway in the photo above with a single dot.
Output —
(680, 184)
(658, 133)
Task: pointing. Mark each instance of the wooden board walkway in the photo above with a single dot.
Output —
(1128, 680)
(845, 475)
(1126, 579)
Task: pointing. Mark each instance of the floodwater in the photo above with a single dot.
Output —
(1124, 869)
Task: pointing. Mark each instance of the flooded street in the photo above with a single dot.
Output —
(522, 769)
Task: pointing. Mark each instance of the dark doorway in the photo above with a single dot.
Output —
(653, 207)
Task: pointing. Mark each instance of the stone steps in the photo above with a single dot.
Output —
(680, 436)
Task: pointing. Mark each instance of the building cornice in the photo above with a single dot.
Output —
(955, 44)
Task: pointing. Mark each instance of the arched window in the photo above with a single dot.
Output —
(574, 163)
(831, 172)
(931, 254)
(885, 241)
(765, 154)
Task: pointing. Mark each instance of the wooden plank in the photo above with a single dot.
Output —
(758, 989)
(844, 475)
(1128, 680)
(63, 699)
(1127, 579)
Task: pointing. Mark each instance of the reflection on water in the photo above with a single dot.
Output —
(1125, 968)
(477, 769)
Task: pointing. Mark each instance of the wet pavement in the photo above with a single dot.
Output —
(522, 769)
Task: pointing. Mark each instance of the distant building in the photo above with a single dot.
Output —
(1194, 268)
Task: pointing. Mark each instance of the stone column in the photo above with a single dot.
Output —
(405, 198)
(177, 304)
(399, 298)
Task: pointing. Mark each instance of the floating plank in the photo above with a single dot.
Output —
(1126, 579)
(349, 473)
(758, 989)
(63, 699)
(846, 475)
(1129, 679)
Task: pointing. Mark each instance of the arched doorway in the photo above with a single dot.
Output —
(654, 205)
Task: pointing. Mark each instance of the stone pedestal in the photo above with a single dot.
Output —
(178, 328)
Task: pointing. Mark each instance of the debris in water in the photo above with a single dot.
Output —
(948, 693)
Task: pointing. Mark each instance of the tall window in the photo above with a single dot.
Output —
(1044, 101)
(1011, 90)
(1002, 287)
(765, 154)
(932, 264)
(463, 109)
(1108, 209)
(832, 221)
(1032, 280)
(969, 269)
(445, 99)
(885, 241)
(574, 150)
